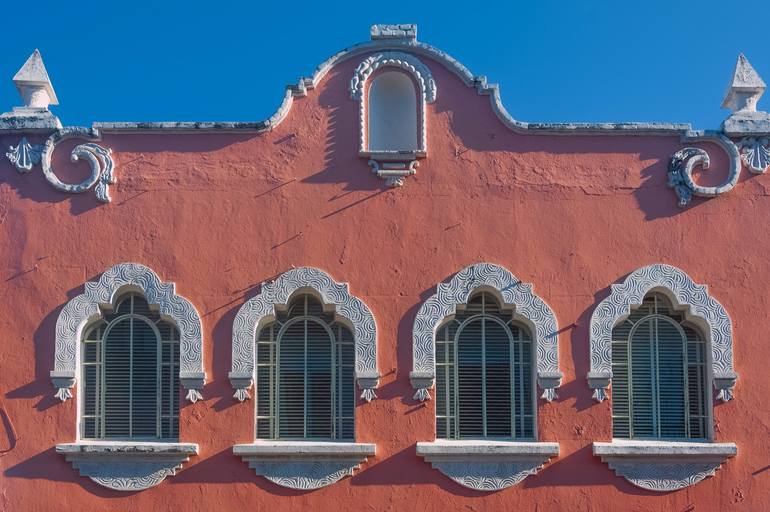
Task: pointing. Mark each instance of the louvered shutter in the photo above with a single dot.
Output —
(291, 383)
(131, 375)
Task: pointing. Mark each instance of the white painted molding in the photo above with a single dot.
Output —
(528, 307)
(683, 162)
(393, 166)
(698, 306)
(261, 309)
(24, 155)
(84, 309)
(99, 158)
(127, 466)
(304, 465)
(755, 153)
(487, 465)
(664, 465)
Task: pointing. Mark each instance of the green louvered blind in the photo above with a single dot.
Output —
(305, 375)
(659, 379)
(484, 375)
(130, 365)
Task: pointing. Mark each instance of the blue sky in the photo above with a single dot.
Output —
(229, 61)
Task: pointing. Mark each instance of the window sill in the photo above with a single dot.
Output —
(487, 465)
(664, 465)
(127, 465)
(304, 465)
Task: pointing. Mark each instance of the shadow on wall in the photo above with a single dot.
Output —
(50, 466)
(44, 340)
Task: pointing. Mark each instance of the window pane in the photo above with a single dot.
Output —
(498, 379)
(469, 381)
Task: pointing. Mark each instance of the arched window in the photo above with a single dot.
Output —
(305, 375)
(130, 374)
(392, 122)
(484, 379)
(659, 386)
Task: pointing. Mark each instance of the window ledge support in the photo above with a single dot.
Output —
(664, 465)
(126, 465)
(304, 465)
(487, 465)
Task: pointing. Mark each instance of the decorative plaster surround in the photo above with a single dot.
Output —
(393, 166)
(698, 306)
(25, 155)
(79, 312)
(127, 466)
(528, 307)
(487, 465)
(304, 465)
(260, 310)
(664, 465)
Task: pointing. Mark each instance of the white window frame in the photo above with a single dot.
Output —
(126, 465)
(487, 465)
(303, 464)
(663, 465)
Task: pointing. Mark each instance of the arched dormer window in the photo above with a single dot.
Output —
(392, 118)
(130, 343)
(304, 342)
(393, 89)
(662, 341)
(484, 340)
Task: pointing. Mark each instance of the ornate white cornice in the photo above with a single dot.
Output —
(127, 466)
(664, 466)
(261, 308)
(527, 306)
(685, 293)
(304, 465)
(85, 308)
(487, 465)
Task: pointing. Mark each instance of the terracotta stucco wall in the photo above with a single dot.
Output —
(219, 213)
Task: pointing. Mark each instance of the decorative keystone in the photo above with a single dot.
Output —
(406, 31)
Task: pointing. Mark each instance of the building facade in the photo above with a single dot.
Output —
(390, 295)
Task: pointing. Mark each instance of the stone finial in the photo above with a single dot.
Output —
(745, 89)
(404, 31)
(33, 83)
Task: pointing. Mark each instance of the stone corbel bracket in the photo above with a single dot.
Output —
(664, 466)
(487, 465)
(393, 166)
(127, 466)
(260, 310)
(304, 465)
(86, 308)
(684, 161)
(528, 307)
(699, 307)
(25, 155)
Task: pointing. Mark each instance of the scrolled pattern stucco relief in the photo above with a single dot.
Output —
(401, 60)
(755, 154)
(457, 291)
(686, 292)
(85, 308)
(127, 477)
(664, 476)
(278, 292)
(304, 475)
(25, 155)
(487, 476)
(684, 161)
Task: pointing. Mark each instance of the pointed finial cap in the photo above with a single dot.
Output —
(745, 89)
(32, 79)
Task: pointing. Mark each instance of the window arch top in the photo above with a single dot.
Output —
(686, 295)
(87, 308)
